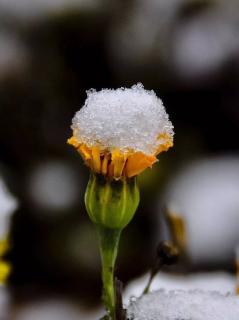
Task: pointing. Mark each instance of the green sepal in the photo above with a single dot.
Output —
(111, 203)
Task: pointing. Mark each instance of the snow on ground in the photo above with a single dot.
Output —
(185, 305)
(215, 281)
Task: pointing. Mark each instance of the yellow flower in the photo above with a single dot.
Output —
(5, 267)
(117, 163)
(119, 133)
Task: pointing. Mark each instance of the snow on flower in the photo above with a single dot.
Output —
(120, 132)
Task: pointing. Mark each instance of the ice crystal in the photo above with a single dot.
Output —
(125, 118)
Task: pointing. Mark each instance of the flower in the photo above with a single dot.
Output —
(5, 267)
(120, 132)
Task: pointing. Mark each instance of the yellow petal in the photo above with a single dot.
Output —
(138, 162)
(111, 169)
(118, 160)
(5, 270)
(105, 162)
(167, 143)
(73, 141)
(4, 246)
(85, 152)
(96, 161)
(178, 228)
(5, 267)
(164, 147)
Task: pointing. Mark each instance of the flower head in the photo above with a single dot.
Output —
(120, 132)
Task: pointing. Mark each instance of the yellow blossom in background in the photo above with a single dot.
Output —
(5, 267)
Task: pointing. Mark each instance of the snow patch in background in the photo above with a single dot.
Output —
(206, 195)
(53, 185)
(8, 205)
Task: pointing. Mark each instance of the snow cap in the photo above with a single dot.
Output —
(125, 118)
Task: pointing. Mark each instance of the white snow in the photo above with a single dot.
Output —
(185, 305)
(7, 206)
(128, 119)
(205, 194)
(215, 281)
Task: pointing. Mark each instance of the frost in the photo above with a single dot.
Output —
(185, 305)
(7, 206)
(218, 281)
(123, 118)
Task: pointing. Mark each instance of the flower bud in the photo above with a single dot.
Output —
(111, 203)
(167, 253)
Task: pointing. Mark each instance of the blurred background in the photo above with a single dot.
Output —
(51, 52)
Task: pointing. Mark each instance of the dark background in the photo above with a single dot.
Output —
(187, 51)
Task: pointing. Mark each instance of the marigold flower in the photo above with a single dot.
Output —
(119, 133)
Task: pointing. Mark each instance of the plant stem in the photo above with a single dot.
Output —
(153, 273)
(109, 242)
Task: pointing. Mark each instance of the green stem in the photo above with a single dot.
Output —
(153, 273)
(146, 289)
(109, 242)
